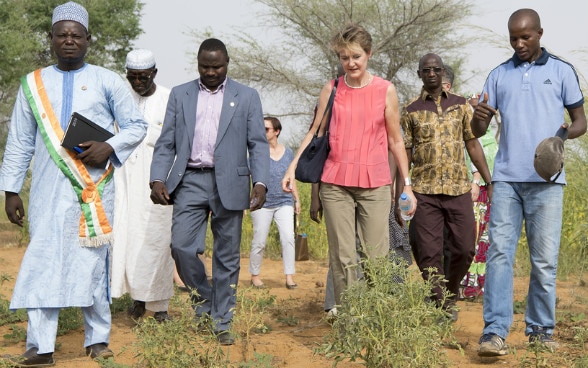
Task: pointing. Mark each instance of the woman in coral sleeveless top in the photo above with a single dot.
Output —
(365, 125)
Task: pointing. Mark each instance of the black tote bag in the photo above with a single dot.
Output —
(311, 162)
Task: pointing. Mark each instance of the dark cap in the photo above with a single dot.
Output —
(549, 156)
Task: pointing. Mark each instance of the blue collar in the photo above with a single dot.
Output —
(541, 60)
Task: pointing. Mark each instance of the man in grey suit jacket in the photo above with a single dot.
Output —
(200, 164)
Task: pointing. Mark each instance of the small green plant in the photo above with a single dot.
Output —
(581, 336)
(178, 343)
(69, 319)
(288, 320)
(110, 363)
(519, 306)
(250, 313)
(121, 304)
(18, 334)
(385, 323)
(535, 356)
(6, 315)
(258, 361)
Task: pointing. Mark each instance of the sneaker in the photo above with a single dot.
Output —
(539, 336)
(492, 345)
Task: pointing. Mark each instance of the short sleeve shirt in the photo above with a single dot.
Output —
(436, 130)
(531, 98)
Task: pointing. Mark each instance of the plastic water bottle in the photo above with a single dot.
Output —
(405, 204)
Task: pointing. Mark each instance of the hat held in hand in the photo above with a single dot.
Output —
(549, 156)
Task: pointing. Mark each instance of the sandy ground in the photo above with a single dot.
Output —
(292, 346)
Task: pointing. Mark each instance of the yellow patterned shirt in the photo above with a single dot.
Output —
(436, 132)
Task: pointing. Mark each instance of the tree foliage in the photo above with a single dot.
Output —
(24, 46)
(299, 60)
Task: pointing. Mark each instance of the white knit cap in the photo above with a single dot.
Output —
(71, 11)
(140, 59)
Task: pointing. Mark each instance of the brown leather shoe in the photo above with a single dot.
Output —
(99, 351)
(31, 359)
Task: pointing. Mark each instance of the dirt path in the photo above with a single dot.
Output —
(293, 346)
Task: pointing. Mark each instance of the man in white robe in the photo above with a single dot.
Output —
(142, 264)
(66, 262)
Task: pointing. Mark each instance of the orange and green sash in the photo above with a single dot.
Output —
(95, 230)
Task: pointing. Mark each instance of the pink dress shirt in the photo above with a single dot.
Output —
(208, 111)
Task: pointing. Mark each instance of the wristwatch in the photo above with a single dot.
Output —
(476, 181)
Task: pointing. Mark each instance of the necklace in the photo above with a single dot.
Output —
(363, 85)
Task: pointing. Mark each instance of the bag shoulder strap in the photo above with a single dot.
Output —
(328, 109)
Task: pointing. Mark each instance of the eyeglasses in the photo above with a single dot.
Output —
(141, 77)
(436, 70)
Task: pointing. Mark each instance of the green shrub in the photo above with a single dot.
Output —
(69, 319)
(250, 313)
(6, 315)
(121, 305)
(177, 343)
(384, 323)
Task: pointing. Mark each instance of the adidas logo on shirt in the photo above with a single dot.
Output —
(547, 81)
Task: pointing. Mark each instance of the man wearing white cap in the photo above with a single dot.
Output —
(142, 264)
(72, 194)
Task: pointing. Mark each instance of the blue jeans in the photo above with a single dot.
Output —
(540, 205)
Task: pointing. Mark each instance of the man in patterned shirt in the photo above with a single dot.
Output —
(436, 125)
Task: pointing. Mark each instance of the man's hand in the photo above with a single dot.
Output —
(95, 153)
(14, 208)
(483, 113)
(489, 189)
(475, 191)
(257, 197)
(159, 194)
(316, 206)
(316, 210)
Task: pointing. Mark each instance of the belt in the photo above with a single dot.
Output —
(199, 169)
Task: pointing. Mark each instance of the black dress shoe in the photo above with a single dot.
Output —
(224, 338)
(31, 359)
(137, 310)
(99, 351)
(161, 316)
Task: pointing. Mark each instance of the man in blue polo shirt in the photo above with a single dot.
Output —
(531, 91)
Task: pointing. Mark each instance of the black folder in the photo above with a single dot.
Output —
(81, 129)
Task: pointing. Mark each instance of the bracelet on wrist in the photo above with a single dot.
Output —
(407, 182)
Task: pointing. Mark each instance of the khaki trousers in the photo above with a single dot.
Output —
(348, 210)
